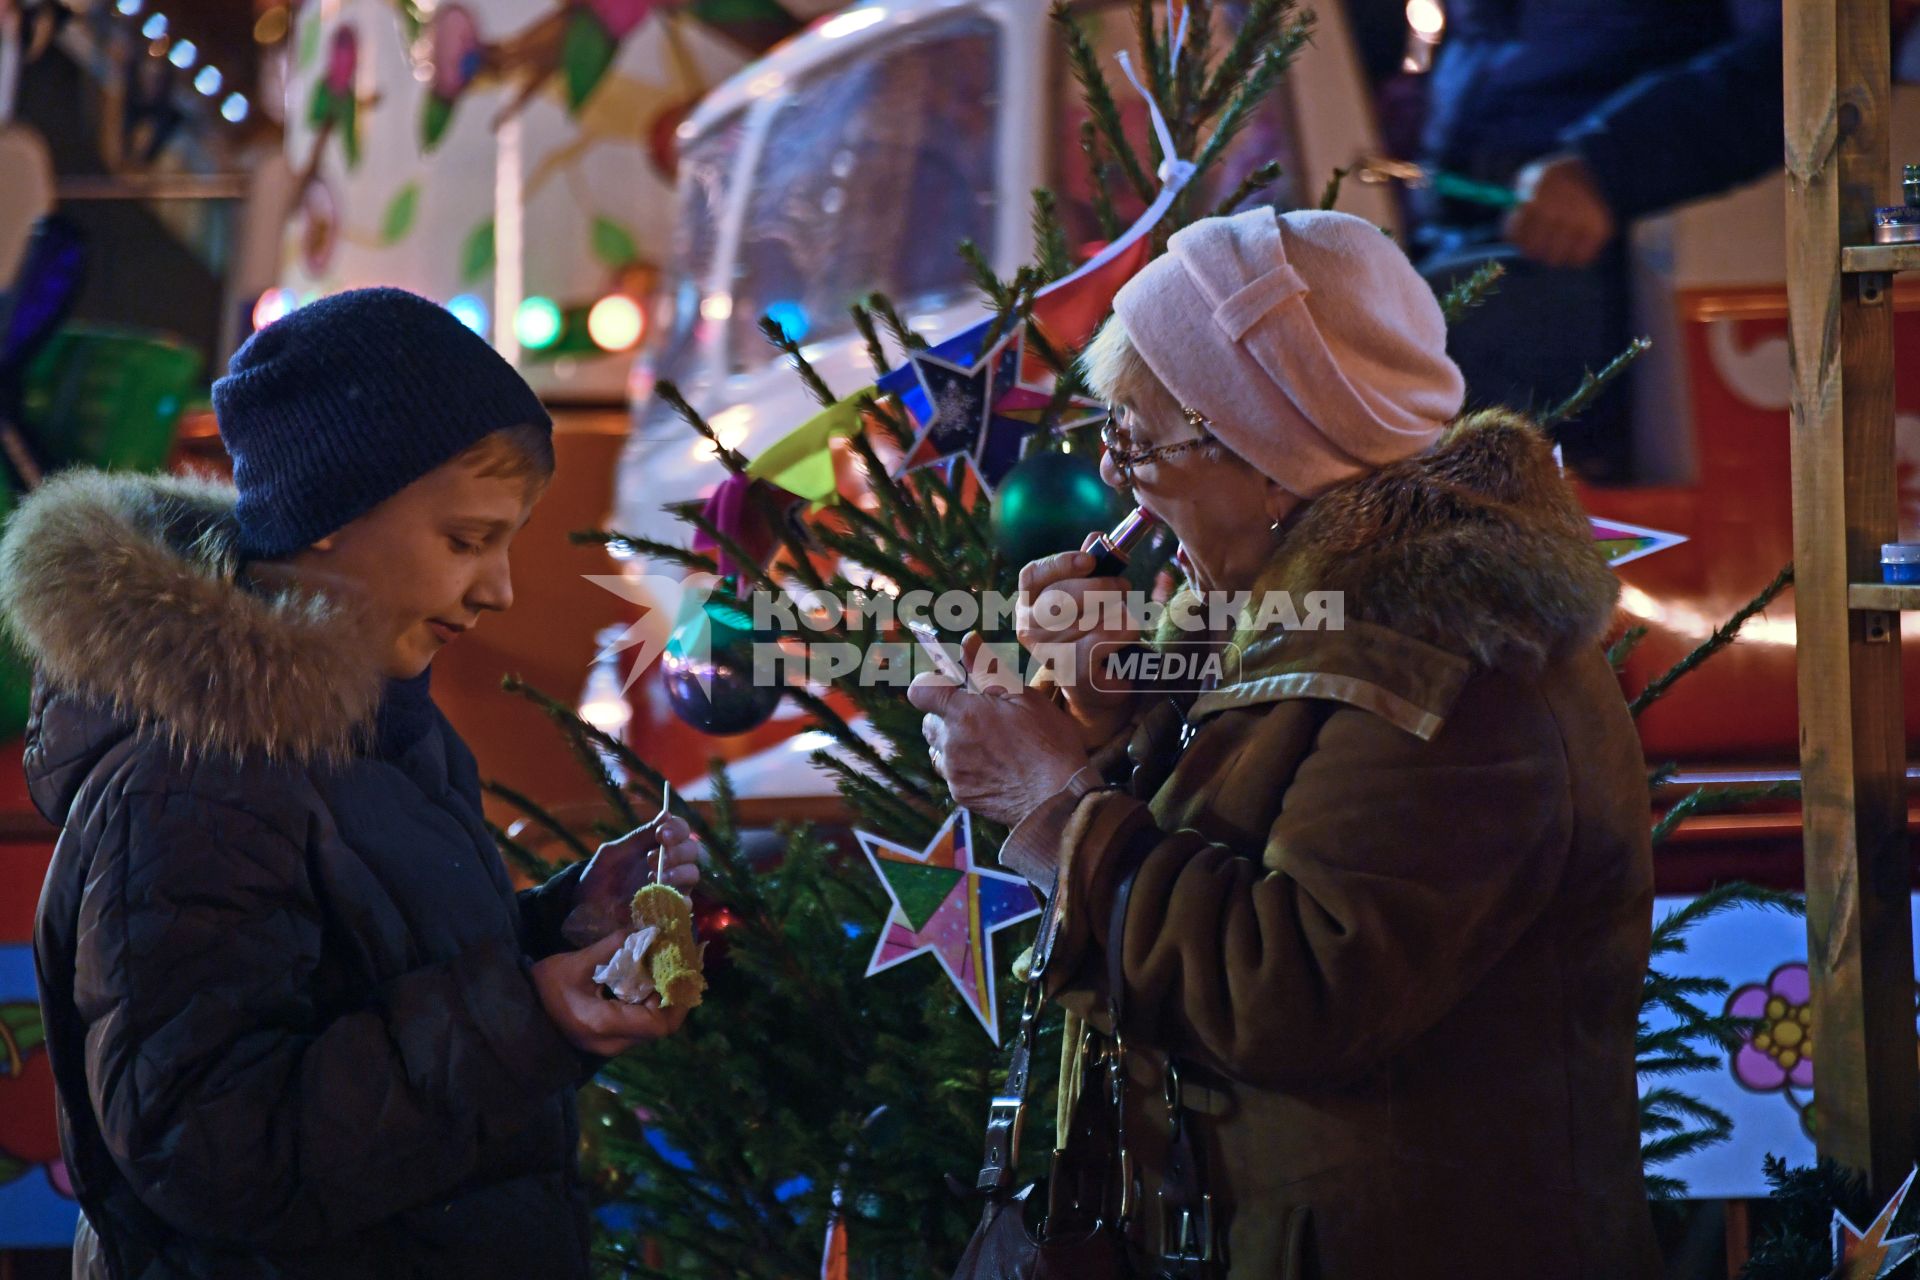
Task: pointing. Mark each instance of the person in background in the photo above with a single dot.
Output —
(1593, 113)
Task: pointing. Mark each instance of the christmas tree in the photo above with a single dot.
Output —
(805, 1095)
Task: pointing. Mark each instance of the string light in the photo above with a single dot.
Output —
(234, 108)
(271, 305)
(154, 27)
(616, 322)
(183, 54)
(207, 80)
(470, 311)
(537, 322)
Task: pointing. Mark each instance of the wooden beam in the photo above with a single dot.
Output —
(1859, 936)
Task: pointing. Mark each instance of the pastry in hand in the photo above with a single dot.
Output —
(674, 958)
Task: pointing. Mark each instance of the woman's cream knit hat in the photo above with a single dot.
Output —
(1307, 339)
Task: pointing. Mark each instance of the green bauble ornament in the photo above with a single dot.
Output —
(707, 670)
(1049, 503)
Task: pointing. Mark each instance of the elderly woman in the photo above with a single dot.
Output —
(1388, 884)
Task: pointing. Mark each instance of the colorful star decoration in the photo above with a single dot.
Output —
(1621, 542)
(976, 405)
(1865, 1255)
(945, 904)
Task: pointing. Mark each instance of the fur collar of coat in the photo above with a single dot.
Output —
(126, 589)
(1477, 547)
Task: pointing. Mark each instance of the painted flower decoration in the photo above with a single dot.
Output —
(622, 16)
(454, 38)
(1780, 1051)
(342, 58)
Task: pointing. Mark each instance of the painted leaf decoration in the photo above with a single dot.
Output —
(476, 255)
(434, 120)
(612, 243)
(309, 41)
(399, 216)
(24, 1027)
(586, 51)
(350, 131)
(320, 106)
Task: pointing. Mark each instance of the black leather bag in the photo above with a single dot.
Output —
(1092, 1190)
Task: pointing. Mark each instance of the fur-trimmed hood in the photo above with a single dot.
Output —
(125, 589)
(1477, 547)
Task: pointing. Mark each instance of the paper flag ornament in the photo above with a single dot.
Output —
(944, 904)
(1867, 1255)
(1623, 542)
(801, 462)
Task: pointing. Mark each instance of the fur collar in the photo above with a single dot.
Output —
(125, 588)
(1477, 547)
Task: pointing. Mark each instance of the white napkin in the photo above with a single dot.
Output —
(626, 973)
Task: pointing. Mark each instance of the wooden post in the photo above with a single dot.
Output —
(1852, 749)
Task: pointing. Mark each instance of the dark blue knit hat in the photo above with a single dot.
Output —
(346, 401)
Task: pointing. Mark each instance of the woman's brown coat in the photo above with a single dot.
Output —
(1394, 909)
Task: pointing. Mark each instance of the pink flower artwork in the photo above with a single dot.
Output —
(621, 16)
(1779, 1053)
(457, 51)
(342, 57)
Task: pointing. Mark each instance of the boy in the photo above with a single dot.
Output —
(299, 1021)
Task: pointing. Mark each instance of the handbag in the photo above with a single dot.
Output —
(1084, 1235)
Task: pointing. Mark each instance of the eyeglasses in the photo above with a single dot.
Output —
(1117, 436)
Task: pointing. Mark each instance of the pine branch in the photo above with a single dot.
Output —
(734, 462)
(1251, 92)
(1051, 253)
(999, 295)
(537, 868)
(1620, 650)
(1592, 384)
(1263, 176)
(870, 335)
(1722, 636)
(560, 713)
(1467, 294)
(831, 722)
(1099, 100)
(1668, 932)
(1103, 211)
(906, 339)
(1705, 800)
(1147, 36)
(553, 825)
(692, 561)
(1258, 32)
(1330, 194)
(783, 342)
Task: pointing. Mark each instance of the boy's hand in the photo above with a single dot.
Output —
(590, 1021)
(621, 868)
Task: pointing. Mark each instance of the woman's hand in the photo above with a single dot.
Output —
(1001, 753)
(620, 868)
(1064, 615)
(590, 1021)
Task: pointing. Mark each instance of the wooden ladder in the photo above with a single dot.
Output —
(1852, 716)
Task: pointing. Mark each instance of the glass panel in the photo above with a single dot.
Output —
(873, 171)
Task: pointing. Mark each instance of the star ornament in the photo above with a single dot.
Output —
(943, 903)
(978, 407)
(1866, 1255)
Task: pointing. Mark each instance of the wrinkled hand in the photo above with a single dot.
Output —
(620, 868)
(1058, 588)
(590, 1021)
(1002, 753)
(1562, 219)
